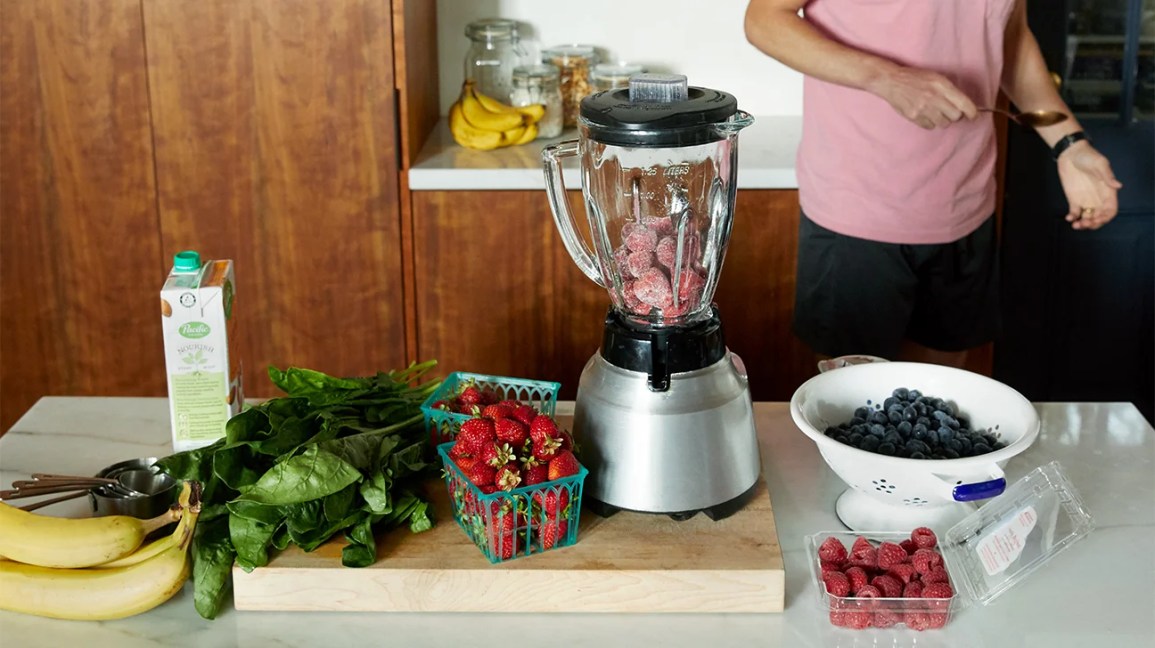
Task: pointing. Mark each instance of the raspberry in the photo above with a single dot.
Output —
(908, 545)
(653, 289)
(836, 583)
(886, 618)
(924, 538)
(912, 590)
(863, 554)
(916, 620)
(660, 224)
(904, 572)
(937, 590)
(667, 252)
(925, 560)
(832, 550)
(858, 620)
(890, 586)
(937, 620)
(936, 575)
(857, 578)
(830, 566)
(868, 591)
(890, 554)
(638, 238)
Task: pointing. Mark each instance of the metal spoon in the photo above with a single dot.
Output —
(1032, 118)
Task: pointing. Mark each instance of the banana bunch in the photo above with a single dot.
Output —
(481, 122)
(106, 581)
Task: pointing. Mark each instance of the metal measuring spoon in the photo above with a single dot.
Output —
(1032, 118)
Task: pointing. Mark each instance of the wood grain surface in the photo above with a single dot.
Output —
(78, 247)
(626, 563)
(275, 146)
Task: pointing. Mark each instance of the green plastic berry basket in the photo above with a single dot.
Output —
(541, 517)
(442, 425)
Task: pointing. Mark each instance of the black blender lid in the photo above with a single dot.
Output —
(657, 110)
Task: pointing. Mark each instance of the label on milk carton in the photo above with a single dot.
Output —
(204, 377)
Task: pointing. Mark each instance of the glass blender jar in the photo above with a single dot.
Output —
(663, 398)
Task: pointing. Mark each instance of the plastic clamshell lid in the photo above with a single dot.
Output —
(1017, 532)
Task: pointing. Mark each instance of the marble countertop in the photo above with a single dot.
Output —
(765, 161)
(1099, 592)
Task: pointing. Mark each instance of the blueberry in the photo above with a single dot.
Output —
(902, 393)
(950, 454)
(965, 445)
(877, 429)
(890, 402)
(902, 452)
(909, 413)
(923, 421)
(854, 439)
(886, 448)
(856, 421)
(831, 431)
(895, 416)
(918, 431)
(917, 455)
(945, 433)
(954, 444)
(893, 438)
(914, 394)
(904, 428)
(862, 413)
(981, 448)
(879, 417)
(870, 443)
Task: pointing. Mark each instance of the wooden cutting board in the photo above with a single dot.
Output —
(626, 563)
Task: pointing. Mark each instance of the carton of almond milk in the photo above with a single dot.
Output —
(204, 371)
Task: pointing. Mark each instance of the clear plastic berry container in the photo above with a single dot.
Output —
(984, 555)
(442, 425)
(510, 524)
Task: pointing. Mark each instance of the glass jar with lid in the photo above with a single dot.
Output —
(494, 50)
(539, 84)
(574, 63)
(609, 76)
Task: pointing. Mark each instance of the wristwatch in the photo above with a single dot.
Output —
(1066, 142)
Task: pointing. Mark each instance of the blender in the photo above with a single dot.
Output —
(663, 414)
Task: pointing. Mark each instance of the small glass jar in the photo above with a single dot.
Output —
(609, 76)
(539, 84)
(574, 63)
(494, 50)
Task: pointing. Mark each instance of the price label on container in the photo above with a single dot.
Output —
(1002, 548)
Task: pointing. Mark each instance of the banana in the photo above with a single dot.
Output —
(477, 114)
(142, 554)
(528, 136)
(73, 542)
(468, 135)
(533, 111)
(102, 594)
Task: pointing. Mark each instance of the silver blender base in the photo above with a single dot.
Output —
(688, 449)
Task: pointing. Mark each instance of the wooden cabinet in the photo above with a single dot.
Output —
(265, 132)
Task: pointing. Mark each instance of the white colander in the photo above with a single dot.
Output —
(897, 494)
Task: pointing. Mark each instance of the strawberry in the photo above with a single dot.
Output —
(504, 523)
(443, 405)
(511, 431)
(566, 440)
(554, 501)
(481, 474)
(477, 433)
(497, 412)
(460, 449)
(466, 464)
(563, 465)
(533, 471)
(525, 413)
(496, 454)
(471, 395)
(551, 532)
(507, 477)
(549, 448)
(541, 428)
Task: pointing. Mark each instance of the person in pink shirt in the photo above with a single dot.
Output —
(897, 252)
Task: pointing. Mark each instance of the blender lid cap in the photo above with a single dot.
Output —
(656, 111)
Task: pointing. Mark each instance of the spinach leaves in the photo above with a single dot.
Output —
(333, 456)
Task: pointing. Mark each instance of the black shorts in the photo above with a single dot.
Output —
(853, 295)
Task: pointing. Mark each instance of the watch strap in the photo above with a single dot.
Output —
(1066, 142)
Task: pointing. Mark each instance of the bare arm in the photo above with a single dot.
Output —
(1088, 182)
(924, 97)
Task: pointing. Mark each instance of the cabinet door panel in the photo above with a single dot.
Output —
(275, 146)
(78, 244)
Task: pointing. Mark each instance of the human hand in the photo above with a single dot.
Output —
(926, 98)
(1090, 186)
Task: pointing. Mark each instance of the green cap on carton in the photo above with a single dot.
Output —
(186, 261)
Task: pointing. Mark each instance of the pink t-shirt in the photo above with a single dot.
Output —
(866, 171)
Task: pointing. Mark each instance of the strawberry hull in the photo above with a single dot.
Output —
(510, 524)
(442, 424)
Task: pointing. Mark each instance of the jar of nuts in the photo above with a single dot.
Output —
(538, 84)
(574, 63)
